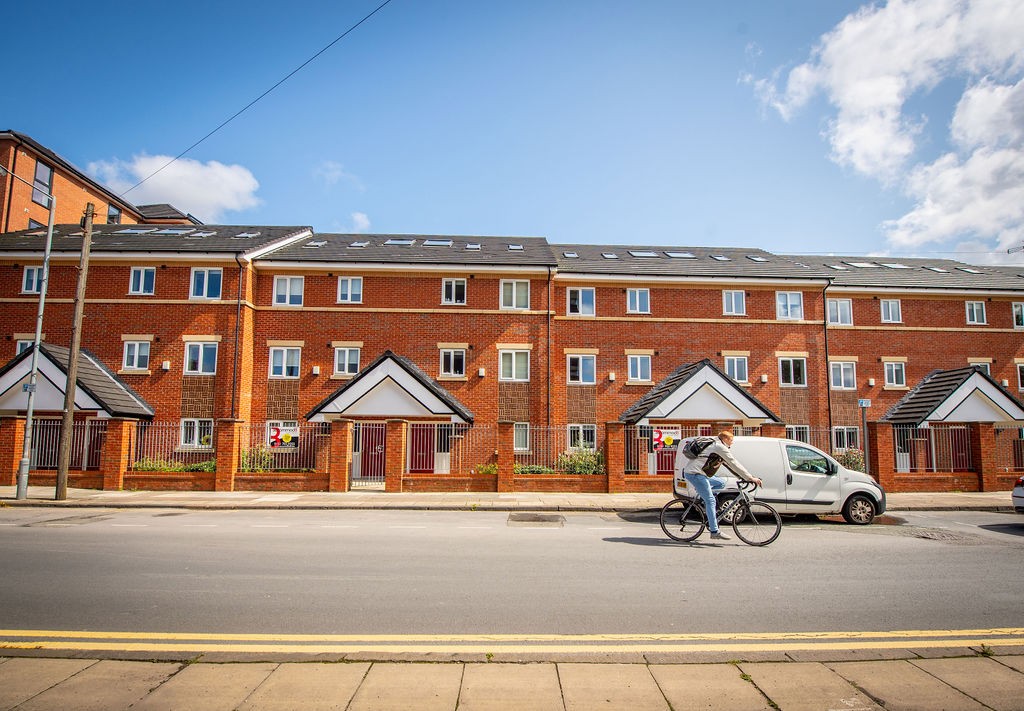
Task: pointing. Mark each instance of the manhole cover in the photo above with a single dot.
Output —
(536, 519)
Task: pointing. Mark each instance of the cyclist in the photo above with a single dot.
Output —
(706, 484)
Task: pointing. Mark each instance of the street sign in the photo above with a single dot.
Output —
(28, 387)
(863, 403)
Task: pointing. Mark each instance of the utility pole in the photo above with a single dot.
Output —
(67, 424)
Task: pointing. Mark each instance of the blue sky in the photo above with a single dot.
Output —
(795, 126)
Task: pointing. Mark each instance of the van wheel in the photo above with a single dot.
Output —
(724, 501)
(859, 510)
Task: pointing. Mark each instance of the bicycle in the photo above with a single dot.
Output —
(755, 522)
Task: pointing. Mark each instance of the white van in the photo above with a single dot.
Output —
(799, 478)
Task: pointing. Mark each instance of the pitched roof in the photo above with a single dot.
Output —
(934, 390)
(164, 211)
(912, 273)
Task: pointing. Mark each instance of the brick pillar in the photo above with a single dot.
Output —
(983, 455)
(394, 461)
(882, 445)
(341, 455)
(506, 456)
(615, 457)
(773, 429)
(117, 449)
(226, 441)
(12, 440)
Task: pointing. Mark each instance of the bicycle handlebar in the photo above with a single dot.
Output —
(744, 484)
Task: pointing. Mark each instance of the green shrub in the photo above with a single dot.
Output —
(580, 461)
(256, 459)
(210, 465)
(852, 459)
(533, 469)
(155, 464)
(487, 469)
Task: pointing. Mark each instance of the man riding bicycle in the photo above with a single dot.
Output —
(699, 473)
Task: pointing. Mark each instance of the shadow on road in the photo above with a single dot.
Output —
(1010, 529)
(661, 542)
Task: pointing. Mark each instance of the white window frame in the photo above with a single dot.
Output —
(638, 301)
(580, 360)
(290, 365)
(344, 354)
(23, 345)
(516, 287)
(789, 305)
(800, 433)
(734, 302)
(986, 367)
(350, 295)
(450, 292)
(582, 308)
(842, 436)
(733, 365)
(192, 433)
(32, 280)
(887, 307)
(285, 292)
(839, 312)
(792, 372)
(638, 364)
(204, 292)
(847, 372)
(521, 436)
(448, 369)
(513, 357)
(137, 281)
(1018, 314)
(895, 374)
(133, 354)
(975, 309)
(575, 432)
(202, 347)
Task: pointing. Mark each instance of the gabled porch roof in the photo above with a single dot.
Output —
(960, 395)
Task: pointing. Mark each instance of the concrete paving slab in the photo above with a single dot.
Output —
(941, 652)
(625, 687)
(426, 687)
(22, 679)
(800, 686)
(510, 687)
(901, 686)
(207, 686)
(708, 686)
(713, 657)
(104, 686)
(981, 678)
(1012, 662)
(311, 687)
(848, 655)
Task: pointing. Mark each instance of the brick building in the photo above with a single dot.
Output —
(282, 330)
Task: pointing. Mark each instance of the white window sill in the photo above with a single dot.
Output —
(342, 376)
(133, 371)
(895, 387)
(453, 378)
(640, 382)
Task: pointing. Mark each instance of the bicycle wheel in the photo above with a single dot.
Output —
(682, 520)
(756, 523)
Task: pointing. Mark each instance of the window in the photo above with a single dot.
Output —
(1020, 373)
(24, 346)
(521, 439)
(453, 362)
(582, 369)
(197, 433)
(33, 225)
(32, 281)
(845, 438)
(350, 290)
(582, 436)
(206, 283)
(984, 367)
(1018, 315)
(42, 186)
(803, 459)
(113, 215)
(840, 312)
(736, 368)
(976, 312)
(142, 281)
(801, 433)
(789, 305)
(515, 365)
(640, 368)
(136, 355)
(638, 301)
(843, 375)
(200, 358)
(346, 361)
(288, 290)
(734, 303)
(891, 311)
(581, 302)
(895, 375)
(793, 372)
(515, 294)
(453, 291)
(284, 362)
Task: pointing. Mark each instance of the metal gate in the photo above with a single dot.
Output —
(369, 452)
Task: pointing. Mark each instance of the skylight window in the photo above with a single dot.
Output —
(136, 231)
(359, 245)
(838, 267)
(571, 255)
(969, 270)
(895, 265)
(394, 242)
(863, 265)
(681, 255)
(642, 254)
(204, 234)
(720, 258)
(437, 243)
(609, 255)
(315, 244)
(246, 235)
(940, 270)
(475, 246)
(756, 258)
(172, 231)
(515, 248)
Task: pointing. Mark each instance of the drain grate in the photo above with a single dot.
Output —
(536, 519)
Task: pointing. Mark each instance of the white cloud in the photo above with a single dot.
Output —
(331, 173)
(360, 222)
(873, 62)
(206, 190)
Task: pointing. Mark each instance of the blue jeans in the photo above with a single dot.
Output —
(706, 486)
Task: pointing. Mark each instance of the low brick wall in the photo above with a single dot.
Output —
(574, 484)
(934, 482)
(168, 481)
(282, 481)
(442, 483)
(648, 484)
(77, 480)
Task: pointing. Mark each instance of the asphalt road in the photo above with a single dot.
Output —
(432, 572)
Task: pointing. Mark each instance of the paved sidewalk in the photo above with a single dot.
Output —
(912, 682)
(43, 496)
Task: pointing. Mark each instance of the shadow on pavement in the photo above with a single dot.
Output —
(1010, 529)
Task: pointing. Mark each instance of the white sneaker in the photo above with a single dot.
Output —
(719, 536)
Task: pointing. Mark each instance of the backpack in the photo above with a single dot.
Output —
(694, 447)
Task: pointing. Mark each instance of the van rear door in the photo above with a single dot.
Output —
(810, 485)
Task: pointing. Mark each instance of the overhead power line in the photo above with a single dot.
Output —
(242, 110)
